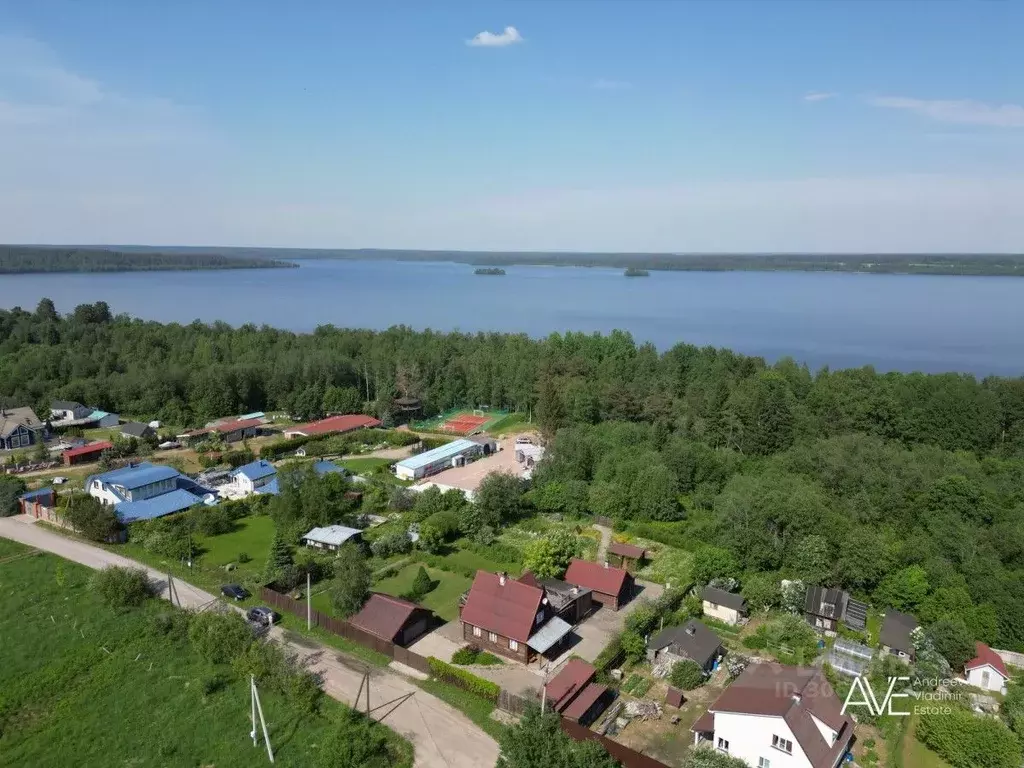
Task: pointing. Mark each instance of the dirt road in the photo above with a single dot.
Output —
(443, 736)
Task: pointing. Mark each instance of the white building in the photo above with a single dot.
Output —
(724, 606)
(136, 482)
(255, 477)
(986, 670)
(453, 454)
(774, 716)
(331, 537)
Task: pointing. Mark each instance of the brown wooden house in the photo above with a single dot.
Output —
(609, 586)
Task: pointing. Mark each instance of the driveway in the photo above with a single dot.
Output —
(442, 736)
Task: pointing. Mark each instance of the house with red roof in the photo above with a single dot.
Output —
(333, 425)
(83, 454)
(511, 618)
(776, 715)
(391, 618)
(609, 586)
(986, 670)
(230, 431)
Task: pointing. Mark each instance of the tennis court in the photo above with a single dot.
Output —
(460, 421)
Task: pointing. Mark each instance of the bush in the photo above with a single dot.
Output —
(966, 741)
(90, 517)
(755, 642)
(122, 587)
(219, 637)
(11, 487)
(172, 624)
(462, 679)
(244, 557)
(633, 646)
(686, 675)
(212, 521)
(422, 584)
(610, 655)
(390, 544)
(473, 655)
(355, 741)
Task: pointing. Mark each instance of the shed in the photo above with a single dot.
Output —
(588, 705)
(391, 618)
(609, 586)
(33, 502)
(330, 537)
(137, 430)
(570, 681)
(85, 453)
(627, 552)
(674, 697)
(895, 637)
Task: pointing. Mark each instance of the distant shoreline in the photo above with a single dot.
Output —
(143, 258)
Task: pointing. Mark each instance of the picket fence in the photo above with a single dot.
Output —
(507, 701)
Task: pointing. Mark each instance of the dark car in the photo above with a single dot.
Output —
(263, 616)
(234, 590)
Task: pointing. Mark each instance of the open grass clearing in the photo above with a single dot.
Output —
(916, 754)
(442, 600)
(361, 466)
(87, 686)
(474, 707)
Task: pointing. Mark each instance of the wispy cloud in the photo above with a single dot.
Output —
(819, 95)
(487, 39)
(956, 111)
(605, 84)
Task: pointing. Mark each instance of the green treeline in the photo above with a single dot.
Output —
(14, 259)
(907, 489)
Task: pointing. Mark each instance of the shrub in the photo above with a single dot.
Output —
(633, 646)
(11, 487)
(467, 655)
(244, 557)
(463, 679)
(90, 517)
(966, 741)
(610, 655)
(219, 637)
(122, 587)
(686, 675)
(390, 544)
(170, 624)
(755, 642)
(213, 683)
(422, 584)
(212, 521)
(353, 742)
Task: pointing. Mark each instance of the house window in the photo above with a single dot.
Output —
(477, 632)
(784, 744)
(764, 762)
(492, 637)
(513, 645)
(723, 744)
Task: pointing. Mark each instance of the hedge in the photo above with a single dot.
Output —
(611, 654)
(281, 447)
(966, 741)
(466, 680)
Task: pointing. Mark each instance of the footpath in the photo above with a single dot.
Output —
(442, 736)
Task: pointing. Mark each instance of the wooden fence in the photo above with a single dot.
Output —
(507, 701)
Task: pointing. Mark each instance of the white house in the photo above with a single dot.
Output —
(775, 716)
(724, 606)
(330, 537)
(143, 491)
(986, 670)
(255, 477)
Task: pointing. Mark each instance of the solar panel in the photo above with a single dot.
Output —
(856, 614)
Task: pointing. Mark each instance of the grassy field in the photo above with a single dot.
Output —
(253, 536)
(442, 600)
(87, 686)
(361, 466)
(514, 422)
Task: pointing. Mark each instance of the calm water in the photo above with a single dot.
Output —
(893, 322)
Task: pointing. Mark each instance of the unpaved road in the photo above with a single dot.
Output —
(443, 736)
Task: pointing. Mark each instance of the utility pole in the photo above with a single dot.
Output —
(309, 604)
(257, 707)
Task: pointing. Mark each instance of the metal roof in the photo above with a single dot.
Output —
(448, 451)
(137, 475)
(324, 467)
(88, 448)
(331, 534)
(158, 506)
(270, 489)
(256, 470)
(36, 494)
(549, 634)
(856, 615)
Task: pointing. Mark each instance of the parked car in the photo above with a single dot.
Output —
(235, 591)
(263, 616)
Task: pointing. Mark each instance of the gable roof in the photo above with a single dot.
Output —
(627, 550)
(136, 475)
(596, 576)
(346, 423)
(896, 629)
(331, 534)
(12, 418)
(325, 467)
(818, 595)
(440, 453)
(728, 599)
(507, 609)
(570, 680)
(579, 706)
(87, 449)
(798, 695)
(985, 656)
(158, 506)
(65, 405)
(135, 429)
(255, 470)
(384, 615)
(692, 639)
(226, 427)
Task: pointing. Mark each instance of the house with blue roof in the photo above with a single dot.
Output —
(258, 476)
(143, 491)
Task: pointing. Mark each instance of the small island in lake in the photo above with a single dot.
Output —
(489, 271)
(636, 272)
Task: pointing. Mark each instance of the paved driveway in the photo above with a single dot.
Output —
(442, 736)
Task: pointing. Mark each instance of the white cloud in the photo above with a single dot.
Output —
(954, 111)
(603, 84)
(487, 39)
(819, 96)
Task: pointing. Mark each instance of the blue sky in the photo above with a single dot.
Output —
(576, 125)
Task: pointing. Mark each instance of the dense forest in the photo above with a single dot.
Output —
(24, 258)
(907, 489)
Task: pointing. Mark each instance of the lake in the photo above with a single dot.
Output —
(894, 322)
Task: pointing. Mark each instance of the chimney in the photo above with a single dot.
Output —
(501, 579)
(796, 698)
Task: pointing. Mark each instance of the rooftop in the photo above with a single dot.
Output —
(692, 639)
(626, 550)
(256, 470)
(88, 448)
(983, 655)
(12, 418)
(896, 629)
(384, 615)
(572, 679)
(158, 506)
(549, 634)
(728, 599)
(441, 453)
(499, 604)
(331, 534)
(324, 467)
(136, 475)
(37, 494)
(345, 423)
(226, 427)
(579, 706)
(596, 576)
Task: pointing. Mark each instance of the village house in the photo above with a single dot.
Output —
(612, 587)
(143, 491)
(392, 619)
(331, 537)
(68, 410)
(510, 618)
(895, 636)
(692, 640)
(568, 602)
(83, 454)
(775, 716)
(826, 607)
(574, 694)
(258, 476)
(986, 670)
(231, 431)
(724, 606)
(20, 428)
(138, 430)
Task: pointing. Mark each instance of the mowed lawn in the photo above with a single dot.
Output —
(442, 600)
(368, 464)
(253, 536)
(83, 685)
